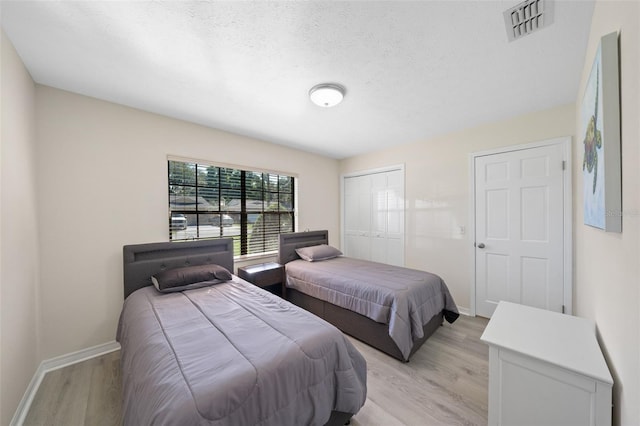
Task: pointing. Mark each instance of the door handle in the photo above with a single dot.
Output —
(481, 245)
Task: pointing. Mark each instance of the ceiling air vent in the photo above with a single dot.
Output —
(528, 17)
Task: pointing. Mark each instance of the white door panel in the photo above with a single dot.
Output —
(364, 212)
(357, 246)
(497, 273)
(395, 251)
(519, 216)
(535, 207)
(497, 223)
(378, 249)
(535, 281)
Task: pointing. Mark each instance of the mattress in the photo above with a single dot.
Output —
(405, 299)
(233, 354)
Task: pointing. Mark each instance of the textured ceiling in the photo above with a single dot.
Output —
(412, 70)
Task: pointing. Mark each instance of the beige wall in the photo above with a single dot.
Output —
(19, 356)
(102, 184)
(437, 189)
(607, 272)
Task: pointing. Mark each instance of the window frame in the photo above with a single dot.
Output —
(267, 193)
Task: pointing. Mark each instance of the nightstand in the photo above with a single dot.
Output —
(264, 275)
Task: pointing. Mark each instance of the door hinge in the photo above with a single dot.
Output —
(564, 164)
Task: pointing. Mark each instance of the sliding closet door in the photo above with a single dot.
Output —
(374, 216)
(387, 225)
(357, 217)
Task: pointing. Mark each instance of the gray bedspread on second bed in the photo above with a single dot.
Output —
(406, 299)
(233, 354)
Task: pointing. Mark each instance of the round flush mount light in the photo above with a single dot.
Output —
(326, 95)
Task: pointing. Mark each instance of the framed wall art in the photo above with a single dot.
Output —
(600, 136)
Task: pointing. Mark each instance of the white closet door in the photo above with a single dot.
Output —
(395, 218)
(379, 218)
(374, 217)
(357, 205)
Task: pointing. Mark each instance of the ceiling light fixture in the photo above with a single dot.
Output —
(326, 95)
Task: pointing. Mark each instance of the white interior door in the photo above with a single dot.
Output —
(519, 228)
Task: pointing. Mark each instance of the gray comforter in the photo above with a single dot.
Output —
(233, 354)
(406, 299)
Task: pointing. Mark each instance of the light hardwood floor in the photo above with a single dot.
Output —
(445, 383)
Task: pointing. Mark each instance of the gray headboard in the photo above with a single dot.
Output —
(290, 242)
(141, 261)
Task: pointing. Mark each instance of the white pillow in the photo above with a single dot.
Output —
(317, 253)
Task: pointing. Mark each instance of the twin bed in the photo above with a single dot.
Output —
(221, 351)
(228, 353)
(391, 308)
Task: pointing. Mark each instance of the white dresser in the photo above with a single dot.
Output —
(545, 368)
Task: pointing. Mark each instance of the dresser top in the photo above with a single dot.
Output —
(563, 340)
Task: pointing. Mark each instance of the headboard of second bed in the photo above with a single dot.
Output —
(141, 261)
(290, 242)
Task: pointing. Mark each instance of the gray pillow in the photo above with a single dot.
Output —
(190, 277)
(317, 253)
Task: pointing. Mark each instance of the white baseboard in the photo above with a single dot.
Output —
(54, 364)
(27, 398)
(79, 356)
(464, 311)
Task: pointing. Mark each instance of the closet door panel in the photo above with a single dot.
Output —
(378, 249)
(379, 209)
(395, 204)
(395, 251)
(357, 246)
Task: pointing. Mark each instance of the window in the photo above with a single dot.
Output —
(252, 207)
